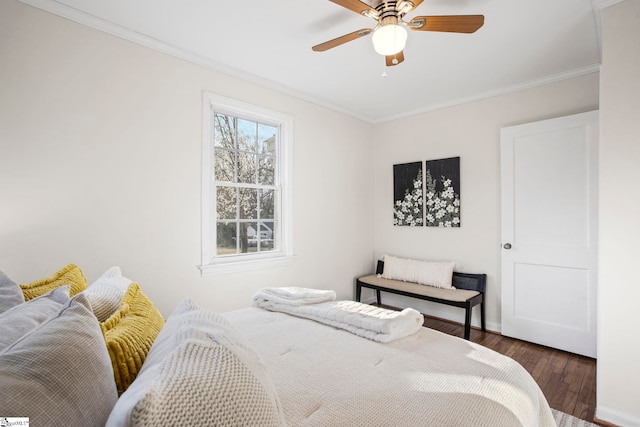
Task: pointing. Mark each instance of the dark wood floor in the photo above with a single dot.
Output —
(567, 380)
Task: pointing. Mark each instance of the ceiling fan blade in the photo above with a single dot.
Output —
(341, 40)
(392, 60)
(355, 5)
(451, 24)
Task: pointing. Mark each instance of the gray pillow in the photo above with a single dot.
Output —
(60, 373)
(10, 293)
(24, 318)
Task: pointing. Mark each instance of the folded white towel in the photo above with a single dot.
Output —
(376, 319)
(295, 296)
(367, 321)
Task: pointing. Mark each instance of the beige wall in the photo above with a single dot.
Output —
(471, 131)
(618, 392)
(100, 160)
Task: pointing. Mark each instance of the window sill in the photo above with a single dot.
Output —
(231, 267)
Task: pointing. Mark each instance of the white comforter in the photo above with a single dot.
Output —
(330, 377)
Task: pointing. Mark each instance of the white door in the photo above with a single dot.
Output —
(550, 232)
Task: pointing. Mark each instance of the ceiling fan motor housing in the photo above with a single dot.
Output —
(385, 9)
(392, 8)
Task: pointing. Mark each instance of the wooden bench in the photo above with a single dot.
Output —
(469, 292)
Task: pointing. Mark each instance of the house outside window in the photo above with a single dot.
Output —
(246, 221)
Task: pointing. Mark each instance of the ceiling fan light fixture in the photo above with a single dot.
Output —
(389, 39)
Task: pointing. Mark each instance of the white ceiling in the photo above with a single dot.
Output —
(522, 43)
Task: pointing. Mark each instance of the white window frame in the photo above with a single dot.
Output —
(211, 263)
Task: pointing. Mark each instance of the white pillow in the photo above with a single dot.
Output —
(432, 273)
(59, 374)
(105, 294)
(199, 372)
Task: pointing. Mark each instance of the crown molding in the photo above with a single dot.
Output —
(603, 4)
(589, 69)
(598, 6)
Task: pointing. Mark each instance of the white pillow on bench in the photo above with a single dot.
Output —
(432, 273)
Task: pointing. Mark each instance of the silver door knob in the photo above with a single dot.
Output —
(507, 246)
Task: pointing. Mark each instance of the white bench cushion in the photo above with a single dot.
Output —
(456, 295)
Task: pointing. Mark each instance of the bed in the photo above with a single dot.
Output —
(353, 365)
(326, 376)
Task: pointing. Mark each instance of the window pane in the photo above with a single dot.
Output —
(226, 238)
(225, 131)
(247, 168)
(247, 135)
(224, 165)
(252, 237)
(246, 230)
(267, 204)
(226, 203)
(248, 208)
(267, 170)
(266, 236)
(266, 139)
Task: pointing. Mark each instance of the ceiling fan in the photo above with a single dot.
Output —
(389, 35)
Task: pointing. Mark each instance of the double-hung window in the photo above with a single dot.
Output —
(246, 202)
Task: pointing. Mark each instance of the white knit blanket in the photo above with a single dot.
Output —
(374, 323)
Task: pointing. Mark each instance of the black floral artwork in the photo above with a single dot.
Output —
(442, 193)
(407, 194)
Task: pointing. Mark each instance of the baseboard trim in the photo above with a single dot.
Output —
(609, 417)
(601, 423)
